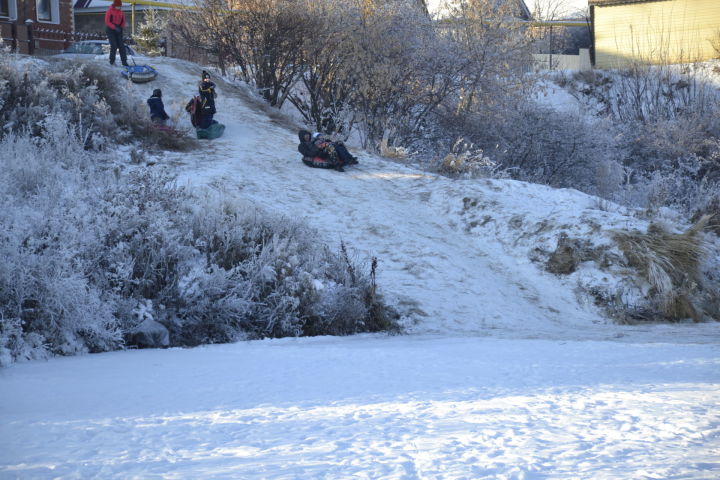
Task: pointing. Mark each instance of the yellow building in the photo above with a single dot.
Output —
(654, 31)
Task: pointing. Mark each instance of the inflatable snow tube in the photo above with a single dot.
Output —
(213, 131)
(319, 162)
(140, 73)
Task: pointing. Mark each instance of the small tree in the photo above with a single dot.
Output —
(323, 94)
(151, 32)
(494, 47)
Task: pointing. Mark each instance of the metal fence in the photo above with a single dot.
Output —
(50, 41)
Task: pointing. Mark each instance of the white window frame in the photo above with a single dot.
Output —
(12, 13)
(54, 12)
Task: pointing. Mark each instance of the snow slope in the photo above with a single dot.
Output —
(504, 373)
(455, 253)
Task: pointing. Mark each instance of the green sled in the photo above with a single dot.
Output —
(213, 131)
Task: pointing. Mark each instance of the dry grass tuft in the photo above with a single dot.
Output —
(712, 208)
(392, 152)
(170, 139)
(670, 263)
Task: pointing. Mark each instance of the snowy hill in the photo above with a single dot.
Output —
(506, 370)
(456, 253)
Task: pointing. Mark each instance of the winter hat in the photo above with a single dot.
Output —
(157, 93)
(315, 135)
(117, 3)
(205, 75)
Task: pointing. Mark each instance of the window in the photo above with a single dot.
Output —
(8, 9)
(44, 10)
(48, 11)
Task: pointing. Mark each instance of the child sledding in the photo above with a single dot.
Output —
(202, 110)
(158, 115)
(320, 152)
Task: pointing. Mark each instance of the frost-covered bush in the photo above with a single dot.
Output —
(665, 133)
(467, 160)
(667, 154)
(48, 305)
(667, 164)
(554, 148)
(526, 142)
(90, 254)
(90, 97)
(273, 278)
(646, 93)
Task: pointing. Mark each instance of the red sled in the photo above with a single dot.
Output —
(166, 130)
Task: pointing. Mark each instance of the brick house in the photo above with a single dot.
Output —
(36, 26)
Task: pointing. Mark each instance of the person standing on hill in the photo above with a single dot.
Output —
(207, 95)
(114, 24)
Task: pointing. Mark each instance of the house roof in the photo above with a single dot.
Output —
(524, 9)
(607, 3)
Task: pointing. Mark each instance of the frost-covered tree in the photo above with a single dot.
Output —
(493, 47)
(151, 32)
(203, 31)
(402, 69)
(322, 95)
(261, 39)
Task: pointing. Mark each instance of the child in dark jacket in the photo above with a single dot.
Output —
(342, 152)
(208, 95)
(315, 145)
(308, 148)
(157, 108)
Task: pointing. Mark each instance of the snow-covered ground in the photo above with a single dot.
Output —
(406, 407)
(505, 371)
